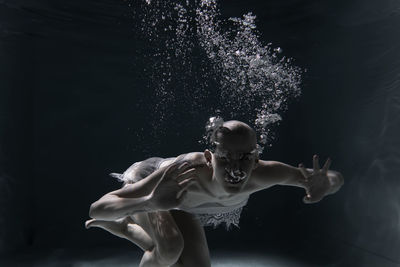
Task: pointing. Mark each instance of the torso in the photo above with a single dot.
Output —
(204, 193)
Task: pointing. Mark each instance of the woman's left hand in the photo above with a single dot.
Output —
(315, 182)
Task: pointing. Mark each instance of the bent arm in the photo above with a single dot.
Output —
(112, 207)
(126, 201)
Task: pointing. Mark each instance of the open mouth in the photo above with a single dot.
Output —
(235, 177)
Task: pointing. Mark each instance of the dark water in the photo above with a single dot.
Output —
(77, 103)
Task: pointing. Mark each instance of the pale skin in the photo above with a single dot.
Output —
(148, 213)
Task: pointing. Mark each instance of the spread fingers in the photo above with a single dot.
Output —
(303, 171)
(326, 165)
(183, 176)
(316, 163)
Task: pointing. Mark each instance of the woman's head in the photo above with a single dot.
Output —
(234, 155)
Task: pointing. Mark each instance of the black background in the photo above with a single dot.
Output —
(74, 107)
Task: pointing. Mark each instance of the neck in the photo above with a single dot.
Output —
(218, 190)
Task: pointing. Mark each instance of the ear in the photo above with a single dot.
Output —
(256, 162)
(208, 155)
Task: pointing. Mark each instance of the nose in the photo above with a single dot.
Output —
(234, 165)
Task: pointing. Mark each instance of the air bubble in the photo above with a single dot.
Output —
(244, 78)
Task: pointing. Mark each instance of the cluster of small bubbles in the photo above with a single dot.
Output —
(259, 149)
(168, 50)
(239, 74)
(254, 79)
(212, 125)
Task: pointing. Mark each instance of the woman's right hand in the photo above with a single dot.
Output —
(171, 189)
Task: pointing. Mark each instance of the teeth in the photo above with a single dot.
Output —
(232, 181)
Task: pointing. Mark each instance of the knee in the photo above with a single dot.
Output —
(169, 251)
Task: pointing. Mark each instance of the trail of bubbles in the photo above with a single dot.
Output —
(198, 60)
(254, 79)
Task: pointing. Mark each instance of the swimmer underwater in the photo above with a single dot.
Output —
(165, 203)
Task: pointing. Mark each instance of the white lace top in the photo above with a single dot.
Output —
(214, 214)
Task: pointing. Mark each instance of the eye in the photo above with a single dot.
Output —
(223, 158)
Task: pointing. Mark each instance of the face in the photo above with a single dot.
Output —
(233, 161)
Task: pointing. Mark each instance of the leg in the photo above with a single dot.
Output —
(167, 238)
(195, 251)
(162, 228)
(125, 228)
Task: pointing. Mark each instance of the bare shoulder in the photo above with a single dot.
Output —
(194, 158)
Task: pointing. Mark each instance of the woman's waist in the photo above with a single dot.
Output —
(212, 208)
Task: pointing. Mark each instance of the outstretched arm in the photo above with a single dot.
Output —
(317, 182)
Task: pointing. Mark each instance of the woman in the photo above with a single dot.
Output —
(166, 202)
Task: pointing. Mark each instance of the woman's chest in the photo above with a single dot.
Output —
(198, 199)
